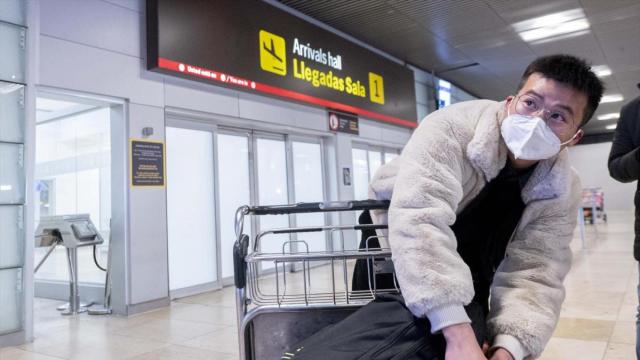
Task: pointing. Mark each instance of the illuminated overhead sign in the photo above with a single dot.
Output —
(256, 47)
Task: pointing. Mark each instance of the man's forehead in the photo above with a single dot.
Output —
(554, 92)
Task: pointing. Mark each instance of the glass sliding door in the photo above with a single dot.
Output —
(375, 161)
(388, 156)
(309, 187)
(367, 160)
(255, 168)
(360, 173)
(191, 210)
(271, 181)
(234, 186)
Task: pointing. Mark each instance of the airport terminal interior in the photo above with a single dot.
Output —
(184, 179)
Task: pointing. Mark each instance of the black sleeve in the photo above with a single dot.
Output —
(624, 158)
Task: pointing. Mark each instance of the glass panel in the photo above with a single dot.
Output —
(11, 112)
(233, 182)
(12, 43)
(308, 181)
(272, 185)
(389, 156)
(190, 185)
(13, 11)
(375, 161)
(10, 300)
(72, 176)
(11, 236)
(360, 174)
(11, 174)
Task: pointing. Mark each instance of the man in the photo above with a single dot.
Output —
(624, 166)
(483, 199)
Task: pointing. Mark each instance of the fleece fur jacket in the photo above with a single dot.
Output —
(450, 157)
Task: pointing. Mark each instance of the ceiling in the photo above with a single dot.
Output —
(475, 45)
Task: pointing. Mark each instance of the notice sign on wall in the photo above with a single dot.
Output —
(256, 47)
(147, 163)
(345, 123)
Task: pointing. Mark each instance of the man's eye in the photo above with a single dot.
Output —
(558, 117)
(530, 103)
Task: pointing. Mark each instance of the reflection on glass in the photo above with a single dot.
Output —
(360, 174)
(12, 46)
(272, 190)
(389, 156)
(10, 300)
(308, 180)
(11, 174)
(233, 182)
(11, 236)
(11, 112)
(375, 161)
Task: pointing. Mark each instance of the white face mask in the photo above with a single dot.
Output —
(529, 137)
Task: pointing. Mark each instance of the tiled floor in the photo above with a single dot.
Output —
(598, 316)
(597, 321)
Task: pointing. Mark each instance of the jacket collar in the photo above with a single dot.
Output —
(487, 152)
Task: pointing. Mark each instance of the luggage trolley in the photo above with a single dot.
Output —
(274, 315)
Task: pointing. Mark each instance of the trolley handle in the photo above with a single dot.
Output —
(240, 249)
(319, 228)
(319, 207)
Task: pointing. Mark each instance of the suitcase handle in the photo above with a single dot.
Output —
(240, 249)
(319, 207)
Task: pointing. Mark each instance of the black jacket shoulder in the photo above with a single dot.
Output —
(624, 158)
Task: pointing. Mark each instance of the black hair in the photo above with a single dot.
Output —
(570, 70)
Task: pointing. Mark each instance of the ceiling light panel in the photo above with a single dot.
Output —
(552, 25)
(601, 70)
(611, 98)
(609, 116)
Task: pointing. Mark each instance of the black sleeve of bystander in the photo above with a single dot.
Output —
(624, 158)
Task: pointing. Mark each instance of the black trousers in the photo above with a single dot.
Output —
(384, 329)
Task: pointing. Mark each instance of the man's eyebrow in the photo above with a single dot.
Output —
(562, 106)
(532, 92)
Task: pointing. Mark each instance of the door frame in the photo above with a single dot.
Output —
(119, 229)
(183, 122)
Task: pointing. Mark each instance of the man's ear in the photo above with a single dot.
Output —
(507, 103)
(509, 99)
(577, 137)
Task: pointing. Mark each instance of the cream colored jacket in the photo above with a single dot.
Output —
(450, 157)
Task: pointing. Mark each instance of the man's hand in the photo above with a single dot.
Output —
(501, 354)
(462, 343)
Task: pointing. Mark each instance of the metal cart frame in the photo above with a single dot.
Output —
(272, 317)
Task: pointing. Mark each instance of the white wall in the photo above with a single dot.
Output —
(591, 163)
(98, 47)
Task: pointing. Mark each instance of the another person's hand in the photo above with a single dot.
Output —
(462, 343)
(501, 354)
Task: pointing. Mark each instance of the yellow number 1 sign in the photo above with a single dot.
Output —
(376, 88)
